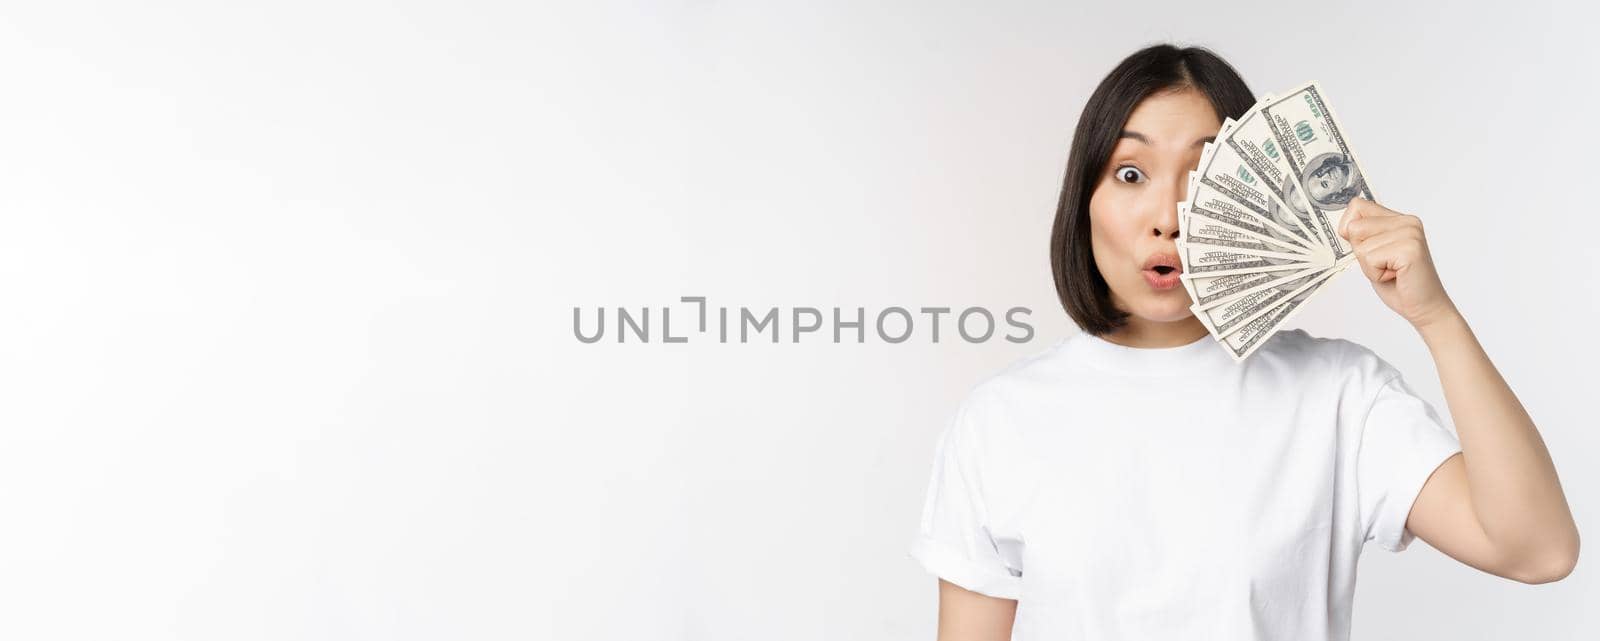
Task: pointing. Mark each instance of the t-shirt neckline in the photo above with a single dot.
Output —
(1180, 360)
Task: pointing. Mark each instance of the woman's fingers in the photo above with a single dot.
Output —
(1361, 229)
(1383, 255)
(1369, 225)
(1376, 261)
(1383, 239)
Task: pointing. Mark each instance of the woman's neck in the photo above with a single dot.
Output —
(1142, 333)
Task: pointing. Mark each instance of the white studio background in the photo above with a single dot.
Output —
(288, 288)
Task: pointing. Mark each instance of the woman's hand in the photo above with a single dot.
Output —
(1393, 253)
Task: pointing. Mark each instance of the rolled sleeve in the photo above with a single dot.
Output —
(1403, 442)
(953, 541)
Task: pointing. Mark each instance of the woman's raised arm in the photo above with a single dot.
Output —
(1498, 505)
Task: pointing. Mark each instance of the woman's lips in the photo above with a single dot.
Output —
(1155, 265)
(1157, 280)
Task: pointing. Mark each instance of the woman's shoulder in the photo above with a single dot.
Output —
(1042, 365)
(1341, 355)
(1016, 384)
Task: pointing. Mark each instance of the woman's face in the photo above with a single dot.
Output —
(1133, 213)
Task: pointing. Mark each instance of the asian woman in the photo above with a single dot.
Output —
(1083, 494)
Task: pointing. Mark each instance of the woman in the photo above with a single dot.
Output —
(1132, 482)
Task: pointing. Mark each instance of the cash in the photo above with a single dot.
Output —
(1258, 230)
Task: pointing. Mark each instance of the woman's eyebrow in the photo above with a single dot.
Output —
(1129, 133)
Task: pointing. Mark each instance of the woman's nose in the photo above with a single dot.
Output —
(1166, 223)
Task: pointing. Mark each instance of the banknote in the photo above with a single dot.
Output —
(1224, 317)
(1241, 344)
(1205, 290)
(1202, 260)
(1199, 230)
(1227, 189)
(1258, 228)
(1252, 141)
(1319, 156)
(1207, 203)
(1278, 280)
(1224, 170)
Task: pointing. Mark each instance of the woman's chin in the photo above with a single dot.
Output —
(1168, 310)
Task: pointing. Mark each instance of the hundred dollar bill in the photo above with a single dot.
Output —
(1231, 221)
(1224, 210)
(1279, 280)
(1207, 291)
(1225, 317)
(1200, 231)
(1319, 157)
(1223, 170)
(1230, 162)
(1252, 141)
(1242, 343)
(1202, 260)
(1231, 194)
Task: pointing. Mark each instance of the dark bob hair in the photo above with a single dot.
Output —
(1079, 284)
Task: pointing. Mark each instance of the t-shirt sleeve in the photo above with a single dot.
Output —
(953, 541)
(1402, 443)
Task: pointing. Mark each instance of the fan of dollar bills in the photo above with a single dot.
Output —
(1258, 231)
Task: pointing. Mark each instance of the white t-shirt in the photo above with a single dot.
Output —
(1124, 493)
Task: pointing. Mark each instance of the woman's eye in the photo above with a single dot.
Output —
(1129, 174)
